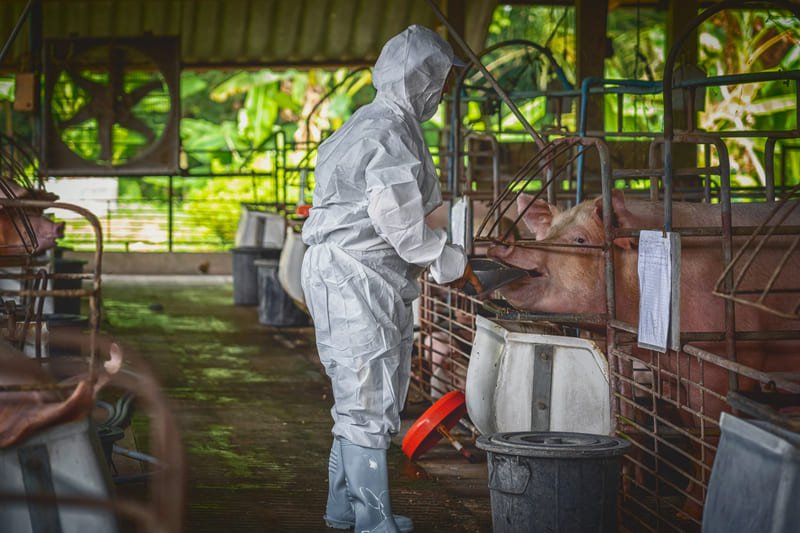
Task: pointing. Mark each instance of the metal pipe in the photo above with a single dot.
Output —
(477, 63)
(17, 27)
(731, 366)
(170, 214)
(769, 167)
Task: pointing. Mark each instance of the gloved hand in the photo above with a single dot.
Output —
(468, 282)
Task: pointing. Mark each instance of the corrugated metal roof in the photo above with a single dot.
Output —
(244, 33)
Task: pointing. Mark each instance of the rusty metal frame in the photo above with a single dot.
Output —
(163, 512)
(444, 340)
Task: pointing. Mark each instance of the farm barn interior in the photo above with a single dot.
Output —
(623, 177)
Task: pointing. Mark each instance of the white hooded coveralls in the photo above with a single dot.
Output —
(368, 241)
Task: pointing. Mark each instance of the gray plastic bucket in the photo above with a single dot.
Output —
(553, 481)
(245, 273)
(275, 306)
(755, 481)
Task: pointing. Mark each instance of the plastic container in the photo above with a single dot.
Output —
(245, 274)
(521, 379)
(260, 228)
(65, 461)
(290, 266)
(553, 481)
(275, 306)
(755, 481)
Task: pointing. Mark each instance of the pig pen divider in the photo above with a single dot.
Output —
(666, 404)
(30, 274)
(26, 282)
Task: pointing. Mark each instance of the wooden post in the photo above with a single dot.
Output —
(680, 13)
(591, 25)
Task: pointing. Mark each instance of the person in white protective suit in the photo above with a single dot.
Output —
(368, 243)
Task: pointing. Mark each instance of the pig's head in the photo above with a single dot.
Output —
(14, 239)
(47, 232)
(563, 279)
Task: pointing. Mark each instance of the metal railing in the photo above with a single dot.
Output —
(169, 224)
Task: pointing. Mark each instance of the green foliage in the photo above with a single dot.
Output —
(214, 209)
(734, 41)
(522, 69)
(638, 37)
(549, 26)
(742, 41)
(257, 118)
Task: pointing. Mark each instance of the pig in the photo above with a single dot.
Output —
(23, 412)
(14, 234)
(16, 223)
(572, 280)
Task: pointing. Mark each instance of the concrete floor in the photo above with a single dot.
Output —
(253, 406)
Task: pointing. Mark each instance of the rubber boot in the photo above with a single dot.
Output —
(339, 510)
(367, 478)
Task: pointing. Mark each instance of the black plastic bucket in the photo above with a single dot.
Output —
(67, 305)
(275, 307)
(553, 481)
(245, 274)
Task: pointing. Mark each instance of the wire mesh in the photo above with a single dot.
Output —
(444, 340)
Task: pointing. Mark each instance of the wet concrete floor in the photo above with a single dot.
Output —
(252, 403)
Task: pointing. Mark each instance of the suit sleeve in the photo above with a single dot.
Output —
(395, 206)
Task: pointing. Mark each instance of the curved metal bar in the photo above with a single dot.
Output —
(493, 82)
(325, 97)
(559, 72)
(94, 312)
(459, 89)
(668, 85)
(693, 25)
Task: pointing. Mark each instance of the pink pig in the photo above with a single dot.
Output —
(16, 223)
(24, 412)
(572, 279)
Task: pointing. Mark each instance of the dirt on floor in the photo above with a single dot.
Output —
(252, 405)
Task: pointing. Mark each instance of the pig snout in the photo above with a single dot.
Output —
(519, 258)
(59, 230)
(499, 251)
(47, 232)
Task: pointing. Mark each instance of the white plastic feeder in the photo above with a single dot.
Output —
(261, 229)
(290, 266)
(61, 461)
(522, 380)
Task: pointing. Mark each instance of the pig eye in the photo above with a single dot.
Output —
(580, 240)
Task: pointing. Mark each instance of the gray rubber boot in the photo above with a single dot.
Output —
(339, 511)
(368, 486)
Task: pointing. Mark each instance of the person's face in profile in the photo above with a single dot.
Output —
(449, 82)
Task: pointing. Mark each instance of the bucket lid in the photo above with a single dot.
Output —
(553, 444)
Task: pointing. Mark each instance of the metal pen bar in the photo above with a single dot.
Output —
(17, 27)
(477, 63)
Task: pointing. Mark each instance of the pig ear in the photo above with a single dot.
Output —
(509, 230)
(537, 214)
(621, 218)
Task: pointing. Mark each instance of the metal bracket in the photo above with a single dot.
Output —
(542, 385)
(38, 479)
